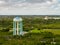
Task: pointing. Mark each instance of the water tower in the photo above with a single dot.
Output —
(17, 26)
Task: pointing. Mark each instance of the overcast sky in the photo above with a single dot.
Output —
(29, 7)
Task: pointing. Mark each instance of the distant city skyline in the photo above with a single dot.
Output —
(29, 7)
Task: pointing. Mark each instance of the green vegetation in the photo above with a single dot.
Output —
(54, 31)
(43, 38)
(41, 31)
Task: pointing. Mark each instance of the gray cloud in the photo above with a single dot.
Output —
(24, 3)
(37, 1)
(13, 2)
(29, 1)
(28, 7)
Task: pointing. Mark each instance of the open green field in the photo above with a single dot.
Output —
(54, 31)
(33, 38)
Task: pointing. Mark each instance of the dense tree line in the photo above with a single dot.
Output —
(30, 23)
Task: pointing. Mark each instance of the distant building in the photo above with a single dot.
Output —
(46, 17)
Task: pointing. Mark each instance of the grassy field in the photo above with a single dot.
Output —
(55, 31)
(34, 38)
